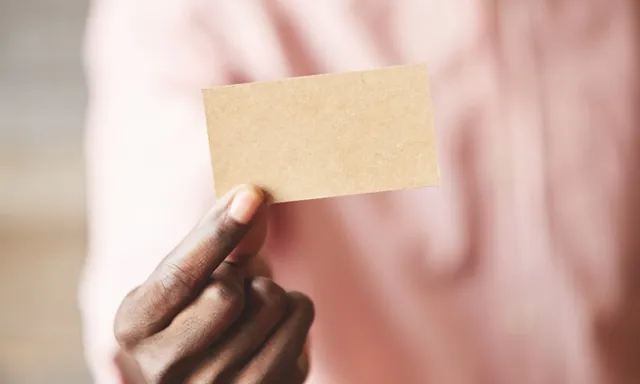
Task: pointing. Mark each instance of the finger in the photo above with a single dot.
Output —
(185, 271)
(266, 307)
(279, 355)
(196, 328)
(257, 266)
(252, 242)
(129, 371)
(295, 375)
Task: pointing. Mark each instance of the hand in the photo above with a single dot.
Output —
(199, 319)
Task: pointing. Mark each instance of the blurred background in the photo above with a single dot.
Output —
(42, 202)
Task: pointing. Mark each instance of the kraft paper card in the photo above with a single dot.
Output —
(326, 135)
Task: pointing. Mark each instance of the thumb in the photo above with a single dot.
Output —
(253, 240)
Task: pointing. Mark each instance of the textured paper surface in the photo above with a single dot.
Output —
(326, 135)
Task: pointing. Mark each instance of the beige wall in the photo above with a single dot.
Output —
(42, 227)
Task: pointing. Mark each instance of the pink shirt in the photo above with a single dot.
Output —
(520, 268)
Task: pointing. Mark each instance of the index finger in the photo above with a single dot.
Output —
(187, 269)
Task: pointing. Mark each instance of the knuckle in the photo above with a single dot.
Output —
(174, 285)
(266, 286)
(211, 371)
(177, 278)
(209, 374)
(158, 365)
(256, 378)
(155, 373)
(275, 298)
(225, 296)
(304, 307)
(124, 332)
(125, 328)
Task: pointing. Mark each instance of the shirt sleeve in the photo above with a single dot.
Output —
(148, 171)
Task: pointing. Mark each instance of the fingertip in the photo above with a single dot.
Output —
(246, 202)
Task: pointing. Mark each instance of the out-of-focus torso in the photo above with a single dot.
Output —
(517, 269)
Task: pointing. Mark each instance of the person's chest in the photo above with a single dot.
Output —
(498, 274)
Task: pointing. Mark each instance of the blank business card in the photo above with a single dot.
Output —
(326, 135)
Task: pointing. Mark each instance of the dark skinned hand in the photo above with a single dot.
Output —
(201, 318)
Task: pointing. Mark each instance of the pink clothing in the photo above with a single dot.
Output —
(520, 268)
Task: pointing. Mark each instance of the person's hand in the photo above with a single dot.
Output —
(199, 319)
